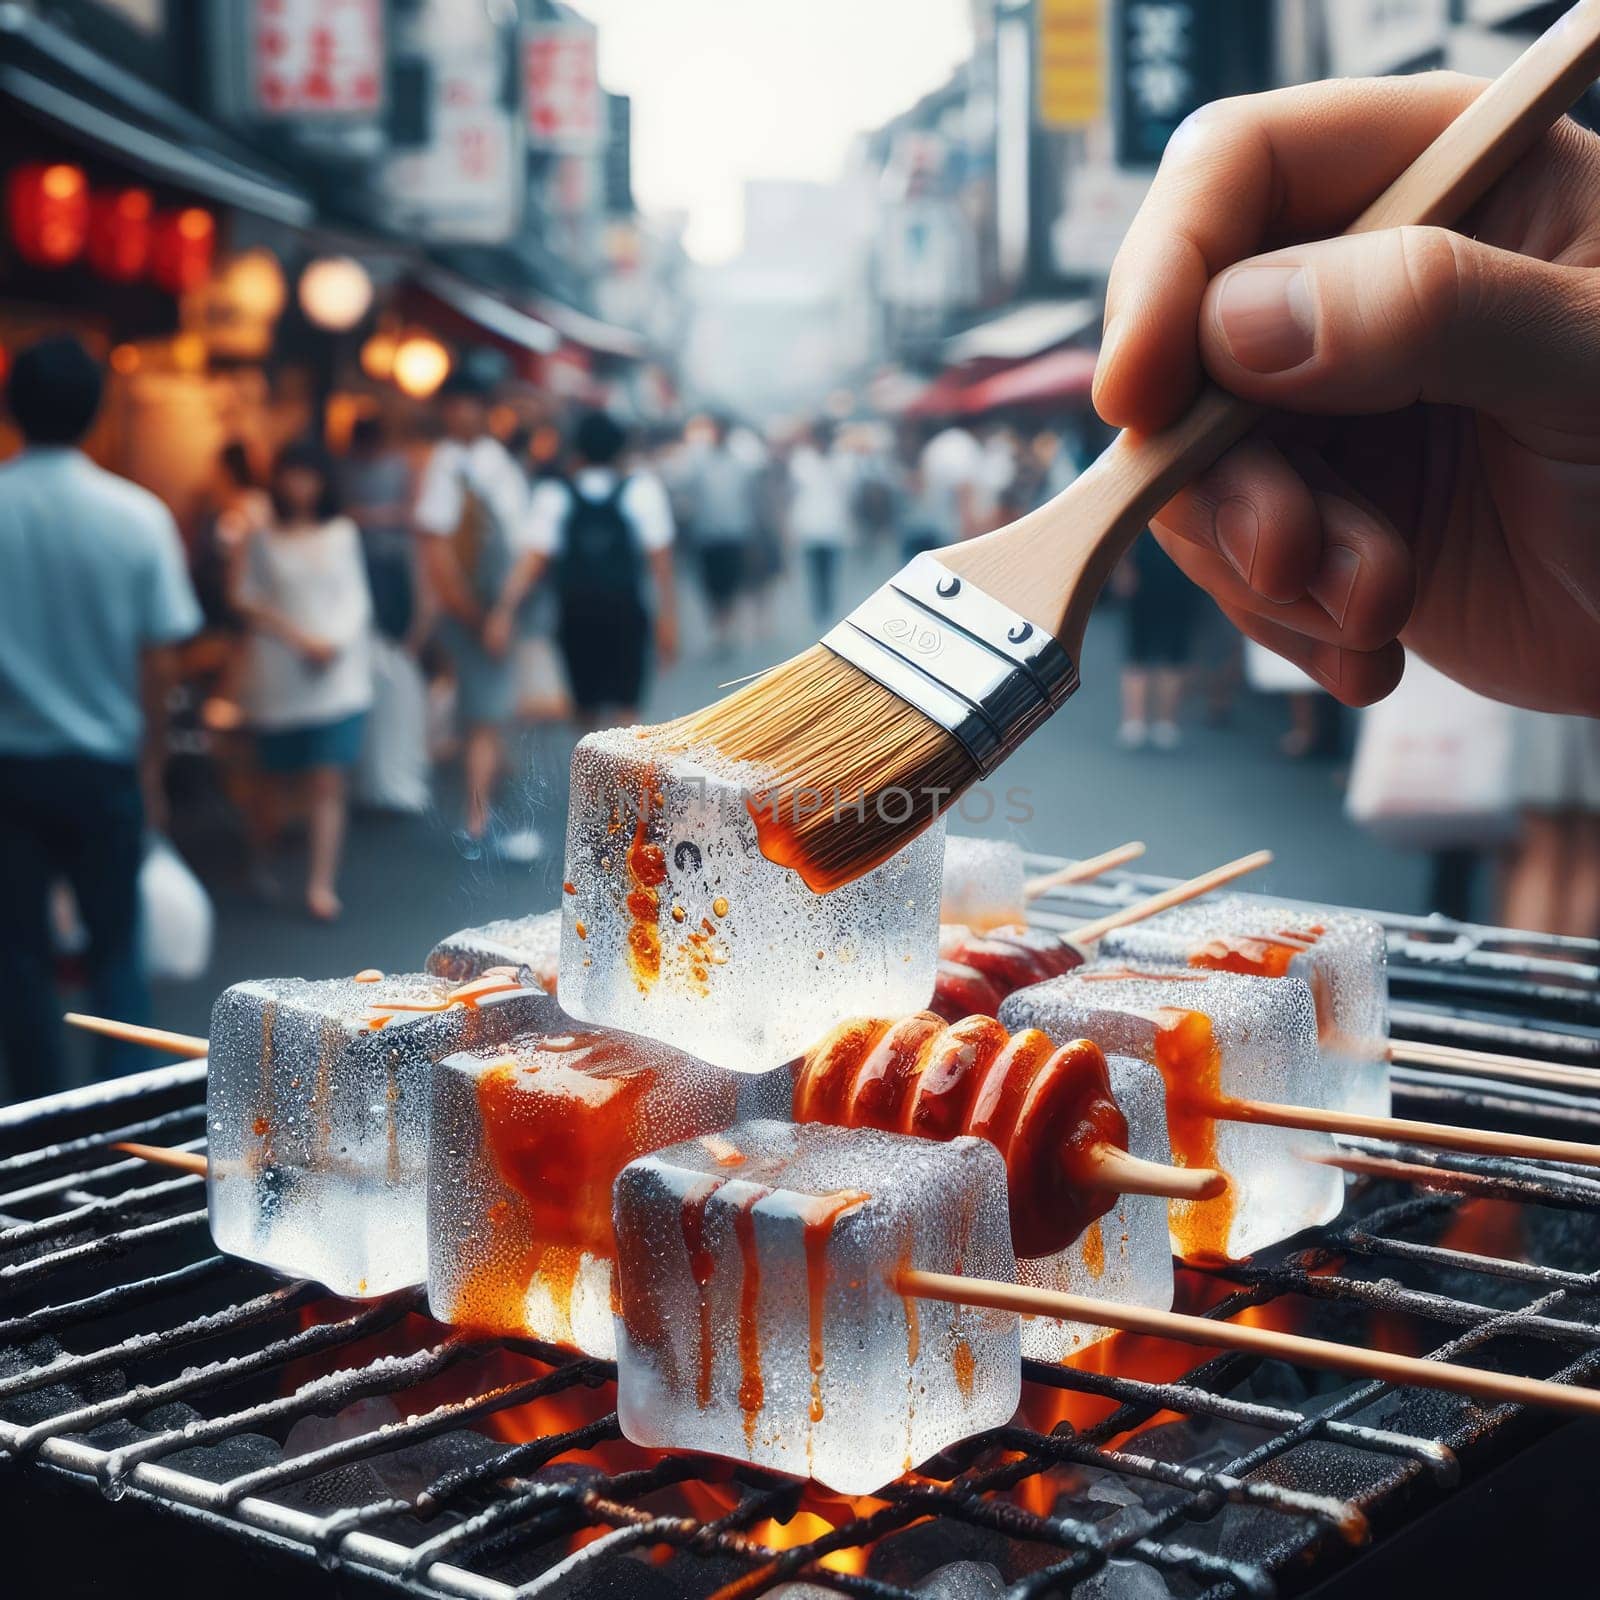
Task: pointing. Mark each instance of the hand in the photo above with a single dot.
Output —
(497, 630)
(666, 638)
(1437, 479)
(317, 652)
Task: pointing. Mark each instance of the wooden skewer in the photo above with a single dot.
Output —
(187, 1045)
(1475, 1382)
(1486, 1064)
(1436, 1135)
(159, 1155)
(1082, 871)
(1190, 889)
(1121, 1173)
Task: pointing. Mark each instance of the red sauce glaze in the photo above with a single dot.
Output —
(1256, 955)
(1046, 1110)
(961, 991)
(818, 1235)
(692, 1220)
(752, 1388)
(559, 1156)
(470, 996)
(1014, 957)
(1190, 1065)
(647, 871)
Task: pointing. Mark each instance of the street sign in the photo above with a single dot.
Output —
(561, 87)
(1071, 56)
(317, 57)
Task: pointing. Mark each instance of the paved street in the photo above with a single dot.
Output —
(1226, 791)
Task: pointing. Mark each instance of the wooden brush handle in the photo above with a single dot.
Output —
(1051, 564)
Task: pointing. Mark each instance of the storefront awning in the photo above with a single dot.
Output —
(488, 311)
(90, 101)
(946, 396)
(1024, 331)
(603, 338)
(1062, 377)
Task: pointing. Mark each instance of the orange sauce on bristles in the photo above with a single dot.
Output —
(818, 726)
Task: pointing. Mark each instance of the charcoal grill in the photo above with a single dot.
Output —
(165, 1412)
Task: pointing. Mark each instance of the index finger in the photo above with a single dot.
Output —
(1240, 176)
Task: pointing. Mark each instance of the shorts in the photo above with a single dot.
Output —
(723, 569)
(318, 744)
(486, 685)
(606, 650)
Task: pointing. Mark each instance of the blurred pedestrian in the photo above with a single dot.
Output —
(605, 538)
(1553, 880)
(301, 587)
(375, 484)
(233, 506)
(948, 489)
(724, 495)
(819, 516)
(472, 510)
(1160, 613)
(93, 596)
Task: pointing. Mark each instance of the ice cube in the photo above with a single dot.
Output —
(760, 1318)
(528, 945)
(1212, 1036)
(317, 1110)
(983, 884)
(525, 1142)
(1340, 954)
(679, 928)
(1126, 1255)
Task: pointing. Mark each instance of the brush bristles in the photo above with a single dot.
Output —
(850, 771)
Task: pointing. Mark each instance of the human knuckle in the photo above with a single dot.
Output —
(1429, 283)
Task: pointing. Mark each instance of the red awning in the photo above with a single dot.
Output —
(1057, 377)
(946, 396)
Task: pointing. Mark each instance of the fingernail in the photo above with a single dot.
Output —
(1237, 530)
(1266, 316)
(1335, 581)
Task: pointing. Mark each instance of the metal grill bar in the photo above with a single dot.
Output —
(475, 1527)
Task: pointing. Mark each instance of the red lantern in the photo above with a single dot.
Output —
(47, 206)
(119, 233)
(182, 248)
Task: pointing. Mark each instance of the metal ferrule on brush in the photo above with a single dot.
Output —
(983, 673)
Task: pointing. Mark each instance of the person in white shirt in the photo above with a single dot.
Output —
(948, 505)
(93, 596)
(819, 515)
(472, 512)
(605, 538)
(301, 588)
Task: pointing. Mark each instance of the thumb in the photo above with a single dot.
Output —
(1375, 322)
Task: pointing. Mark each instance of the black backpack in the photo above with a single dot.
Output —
(600, 559)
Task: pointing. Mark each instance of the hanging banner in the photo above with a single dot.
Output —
(561, 87)
(316, 57)
(1070, 51)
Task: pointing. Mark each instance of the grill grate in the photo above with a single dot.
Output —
(134, 1361)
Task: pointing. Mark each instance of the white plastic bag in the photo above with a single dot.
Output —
(392, 774)
(177, 913)
(1434, 766)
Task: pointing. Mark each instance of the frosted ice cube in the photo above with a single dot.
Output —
(1211, 1035)
(679, 928)
(1342, 955)
(526, 1140)
(1126, 1255)
(317, 1111)
(528, 945)
(759, 1314)
(983, 883)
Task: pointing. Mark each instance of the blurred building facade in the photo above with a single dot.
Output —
(275, 214)
(998, 200)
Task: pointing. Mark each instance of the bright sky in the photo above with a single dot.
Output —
(725, 90)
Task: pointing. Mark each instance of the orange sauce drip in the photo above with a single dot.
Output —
(470, 997)
(1256, 955)
(261, 1127)
(559, 1156)
(368, 975)
(818, 1232)
(1094, 1249)
(1190, 1064)
(647, 871)
(909, 1304)
(964, 1363)
(752, 1389)
(692, 1221)
(569, 887)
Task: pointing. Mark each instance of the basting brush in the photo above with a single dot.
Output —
(862, 740)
